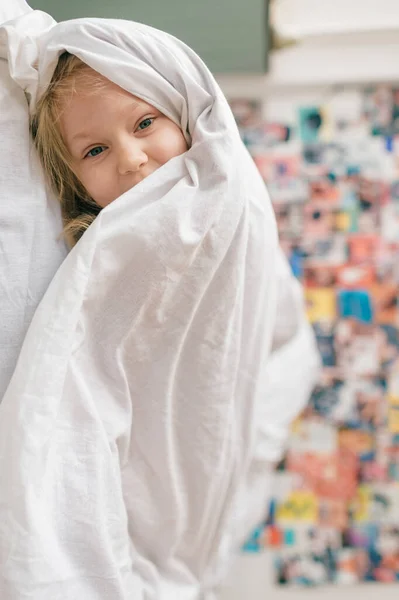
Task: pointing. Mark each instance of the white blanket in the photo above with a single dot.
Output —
(132, 457)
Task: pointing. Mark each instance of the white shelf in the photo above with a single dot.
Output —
(303, 18)
(342, 59)
(324, 60)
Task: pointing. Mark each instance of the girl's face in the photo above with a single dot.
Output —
(116, 140)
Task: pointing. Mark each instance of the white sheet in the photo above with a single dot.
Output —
(30, 220)
(130, 440)
(11, 9)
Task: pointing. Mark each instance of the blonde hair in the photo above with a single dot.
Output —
(78, 209)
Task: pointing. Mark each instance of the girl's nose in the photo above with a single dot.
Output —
(131, 157)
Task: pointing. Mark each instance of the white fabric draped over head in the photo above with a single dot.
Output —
(130, 431)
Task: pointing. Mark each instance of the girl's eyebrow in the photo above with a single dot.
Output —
(82, 135)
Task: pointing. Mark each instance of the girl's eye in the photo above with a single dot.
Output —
(95, 151)
(145, 124)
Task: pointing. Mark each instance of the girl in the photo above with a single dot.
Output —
(157, 381)
(79, 111)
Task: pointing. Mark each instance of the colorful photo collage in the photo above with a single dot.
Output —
(333, 177)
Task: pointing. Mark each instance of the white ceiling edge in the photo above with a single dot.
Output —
(304, 18)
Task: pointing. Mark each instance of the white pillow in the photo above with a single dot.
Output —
(30, 220)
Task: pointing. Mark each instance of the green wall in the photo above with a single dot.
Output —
(229, 35)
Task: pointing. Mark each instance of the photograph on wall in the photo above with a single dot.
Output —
(336, 199)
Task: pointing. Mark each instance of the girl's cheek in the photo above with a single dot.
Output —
(88, 173)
